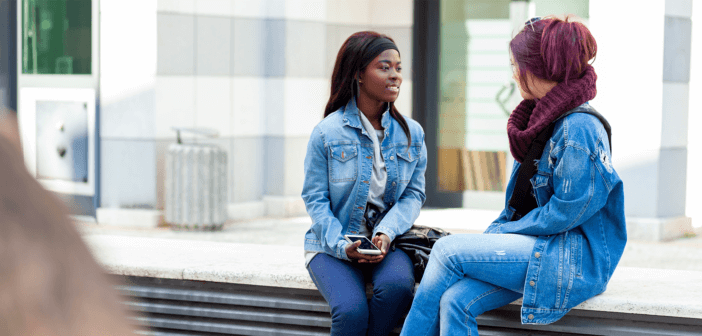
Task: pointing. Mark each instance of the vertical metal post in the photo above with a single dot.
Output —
(8, 54)
(425, 39)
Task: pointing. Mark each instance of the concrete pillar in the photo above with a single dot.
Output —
(643, 67)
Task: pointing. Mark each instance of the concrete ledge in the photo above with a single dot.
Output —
(139, 218)
(642, 291)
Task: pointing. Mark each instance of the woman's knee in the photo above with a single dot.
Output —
(445, 246)
(350, 313)
(398, 290)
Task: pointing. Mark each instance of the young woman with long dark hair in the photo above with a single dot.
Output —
(565, 249)
(364, 175)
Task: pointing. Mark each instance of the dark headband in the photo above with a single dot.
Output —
(376, 47)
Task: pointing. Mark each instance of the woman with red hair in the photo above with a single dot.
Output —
(563, 231)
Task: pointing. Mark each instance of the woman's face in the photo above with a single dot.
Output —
(515, 76)
(382, 78)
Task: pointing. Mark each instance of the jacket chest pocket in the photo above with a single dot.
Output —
(407, 162)
(541, 189)
(343, 165)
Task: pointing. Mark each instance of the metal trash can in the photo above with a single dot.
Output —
(196, 184)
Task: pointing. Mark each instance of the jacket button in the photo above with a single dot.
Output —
(393, 184)
(537, 254)
(532, 283)
(392, 158)
(531, 316)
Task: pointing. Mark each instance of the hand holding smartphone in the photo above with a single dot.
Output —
(366, 246)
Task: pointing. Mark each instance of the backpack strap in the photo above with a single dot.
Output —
(591, 110)
(522, 200)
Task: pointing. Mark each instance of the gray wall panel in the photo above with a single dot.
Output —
(274, 54)
(274, 106)
(176, 44)
(677, 49)
(247, 167)
(128, 173)
(305, 54)
(275, 165)
(641, 180)
(672, 182)
(213, 40)
(248, 47)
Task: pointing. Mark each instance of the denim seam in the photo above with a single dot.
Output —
(571, 273)
(604, 180)
(587, 204)
(471, 303)
(559, 279)
(606, 249)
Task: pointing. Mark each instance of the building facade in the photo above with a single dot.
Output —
(257, 72)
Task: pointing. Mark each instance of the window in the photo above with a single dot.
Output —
(56, 37)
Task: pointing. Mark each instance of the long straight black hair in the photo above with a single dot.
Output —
(349, 63)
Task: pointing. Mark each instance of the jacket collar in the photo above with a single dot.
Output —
(352, 116)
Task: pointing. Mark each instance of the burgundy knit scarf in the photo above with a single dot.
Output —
(532, 116)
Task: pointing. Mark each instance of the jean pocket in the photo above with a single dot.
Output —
(407, 162)
(343, 166)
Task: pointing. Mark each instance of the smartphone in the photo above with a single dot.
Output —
(366, 246)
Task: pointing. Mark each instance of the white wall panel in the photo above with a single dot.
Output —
(213, 104)
(305, 99)
(248, 104)
(175, 104)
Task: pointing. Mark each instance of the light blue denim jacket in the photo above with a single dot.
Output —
(579, 220)
(338, 168)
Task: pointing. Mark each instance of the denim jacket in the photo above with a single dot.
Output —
(338, 168)
(579, 221)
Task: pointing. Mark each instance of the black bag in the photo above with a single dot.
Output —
(417, 244)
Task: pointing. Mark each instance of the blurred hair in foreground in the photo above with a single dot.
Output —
(49, 282)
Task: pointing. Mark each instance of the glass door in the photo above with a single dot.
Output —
(477, 93)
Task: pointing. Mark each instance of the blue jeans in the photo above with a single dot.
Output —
(343, 285)
(468, 275)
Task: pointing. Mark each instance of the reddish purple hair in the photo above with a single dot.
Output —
(553, 49)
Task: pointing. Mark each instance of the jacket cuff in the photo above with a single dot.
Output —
(493, 228)
(341, 250)
(386, 231)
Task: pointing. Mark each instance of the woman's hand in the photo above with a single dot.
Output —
(382, 241)
(353, 254)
